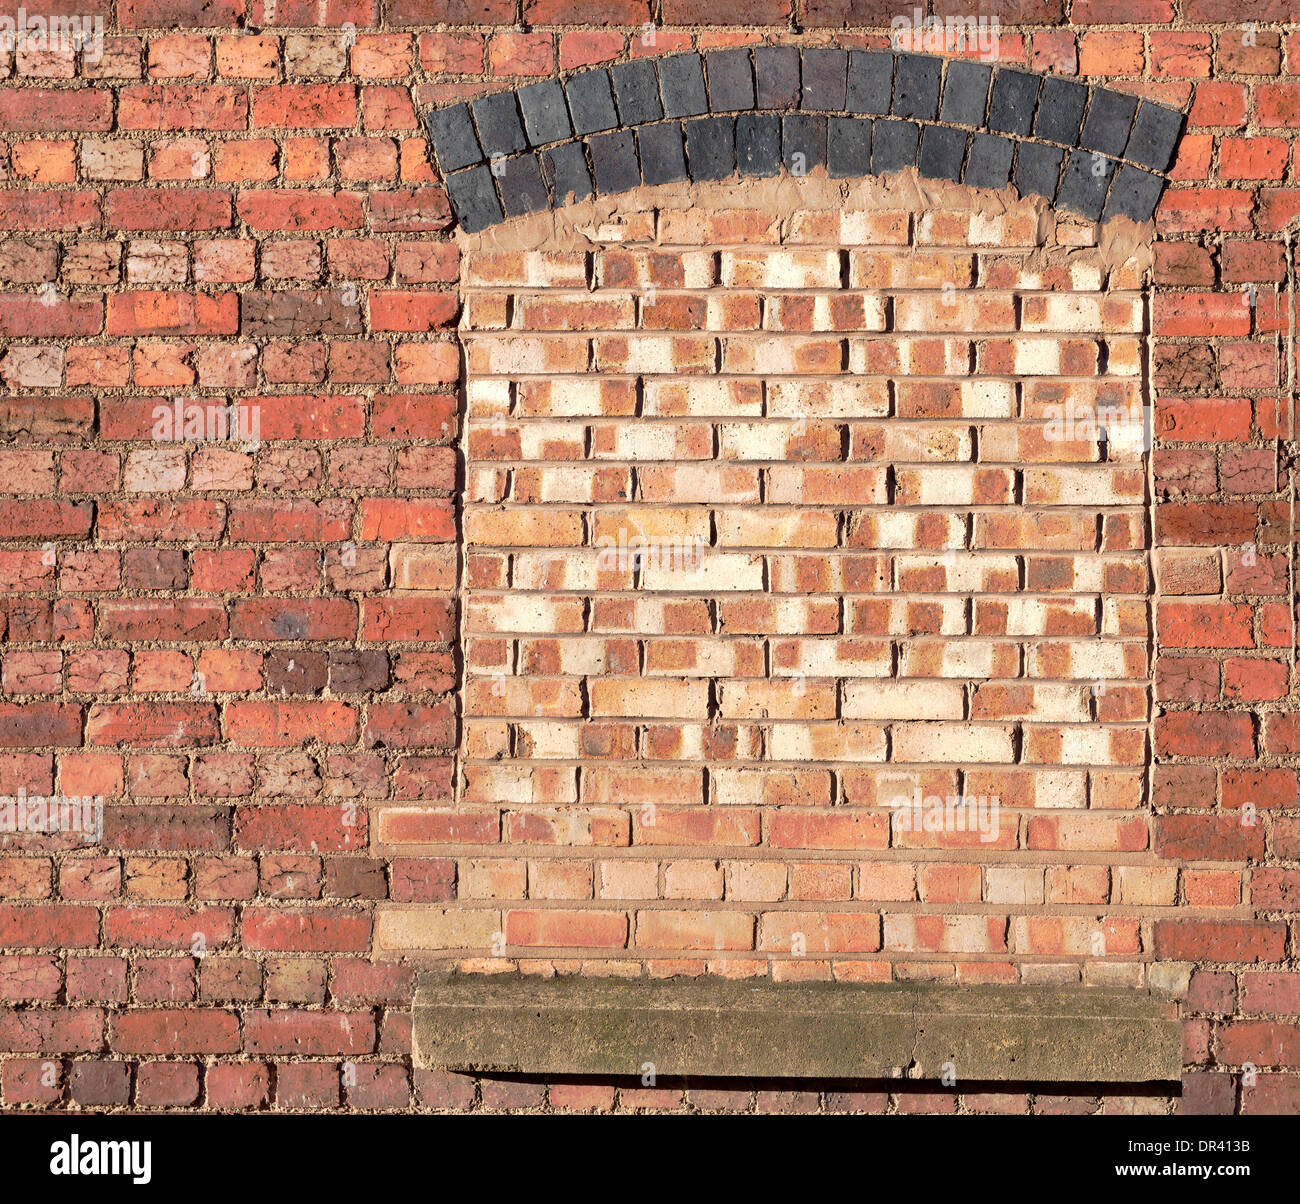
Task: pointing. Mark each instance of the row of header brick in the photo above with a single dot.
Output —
(233, 14)
(1093, 151)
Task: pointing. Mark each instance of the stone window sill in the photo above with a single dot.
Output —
(759, 1029)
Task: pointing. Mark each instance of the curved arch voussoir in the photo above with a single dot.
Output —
(757, 112)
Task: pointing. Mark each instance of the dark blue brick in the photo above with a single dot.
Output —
(519, 180)
(565, 170)
(989, 163)
(613, 156)
(1083, 186)
(893, 146)
(1155, 134)
(848, 146)
(636, 89)
(803, 142)
(681, 81)
(825, 74)
(731, 80)
(663, 158)
(474, 198)
(1060, 110)
(871, 82)
(499, 128)
(452, 134)
(966, 93)
(1134, 194)
(1038, 169)
(546, 119)
(942, 151)
(758, 144)
(916, 86)
(711, 147)
(1011, 107)
(776, 68)
(591, 103)
(1110, 117)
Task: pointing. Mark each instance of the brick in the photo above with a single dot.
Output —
(758, 144)
(1106, 128)
(1038, 170)
(710, 148)
(870, 82)
(545, 117)
(916, 86)
(824, 80)
(500, 129)
(1154, 136)
(662, 153)
(1084, 184)
(1060, 111)
(454, 139)
(776, 76)
(1012, 102)
(614, 160)
(730, 80)
(681, 85)
(591, 104)
(893, 146)
(474, 198)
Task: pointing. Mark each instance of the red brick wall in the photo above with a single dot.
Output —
(247, 650)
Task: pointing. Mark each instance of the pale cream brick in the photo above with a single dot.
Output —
(903, 700)
(646, 699)
(757, 440)
(977, 743)
(988, 398)
(520, 785)
(628, 879)
(717, 572)
(692, 880)
(780, 269)
(549, 741)
(703, 396)
(1013, 885)
(774, 527)
(524, 613)
(827, 398)
(755, 881)
(1146, 886)
(402, 928)
(1036, 357)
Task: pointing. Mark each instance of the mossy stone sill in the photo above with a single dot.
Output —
(711, 1027)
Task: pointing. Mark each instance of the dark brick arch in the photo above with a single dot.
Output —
(758, 111)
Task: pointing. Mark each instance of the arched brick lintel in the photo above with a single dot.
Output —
(758, 111)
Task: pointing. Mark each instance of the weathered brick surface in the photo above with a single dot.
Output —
(252, 650)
